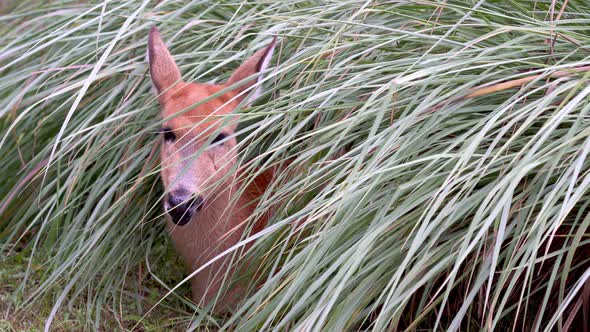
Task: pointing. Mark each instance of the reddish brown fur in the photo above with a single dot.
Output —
(222, 220)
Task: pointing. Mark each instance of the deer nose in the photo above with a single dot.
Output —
(182, 206)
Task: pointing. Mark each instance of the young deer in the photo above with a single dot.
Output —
(205, 217)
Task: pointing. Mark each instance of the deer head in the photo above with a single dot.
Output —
(198, 148)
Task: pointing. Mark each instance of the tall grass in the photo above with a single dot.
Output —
(418, 200)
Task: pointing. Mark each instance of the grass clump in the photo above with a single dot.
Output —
(429, 192)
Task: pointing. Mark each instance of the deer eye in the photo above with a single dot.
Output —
(219, 137)
(169, 135)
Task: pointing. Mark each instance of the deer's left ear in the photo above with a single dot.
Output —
(254, 65)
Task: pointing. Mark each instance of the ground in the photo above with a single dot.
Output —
(124, 315)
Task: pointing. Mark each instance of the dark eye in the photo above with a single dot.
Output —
(219, 137)
(168, 134)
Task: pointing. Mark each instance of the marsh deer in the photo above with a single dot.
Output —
(204, 216)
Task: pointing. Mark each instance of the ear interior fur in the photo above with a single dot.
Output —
(163, 69)
(255, 64)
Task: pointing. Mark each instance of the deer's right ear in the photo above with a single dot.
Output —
(163, 69)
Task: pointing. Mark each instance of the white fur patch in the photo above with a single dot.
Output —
(263, 65)
(148, 60)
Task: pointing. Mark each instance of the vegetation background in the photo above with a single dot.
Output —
(441, 148)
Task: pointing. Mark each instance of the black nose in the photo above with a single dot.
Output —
(182, 206)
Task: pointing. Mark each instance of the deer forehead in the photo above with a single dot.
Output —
(182, 101)
(181, 115)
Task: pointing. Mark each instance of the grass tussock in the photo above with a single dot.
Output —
(442, 177)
